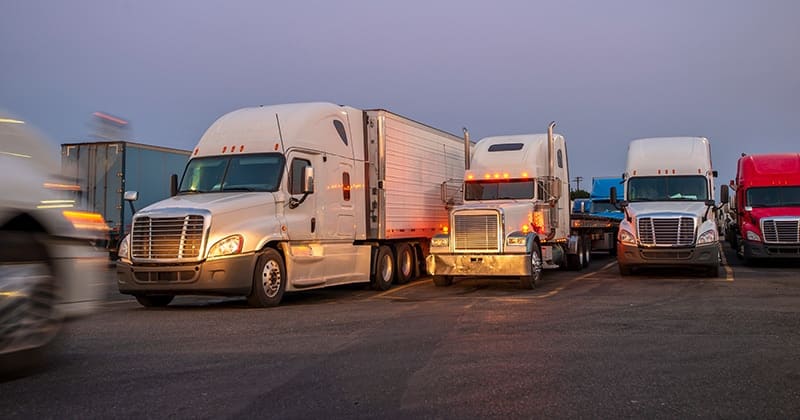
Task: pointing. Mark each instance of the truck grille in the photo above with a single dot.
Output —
(673, 231)
(167, 237)
(781, 231)
(476, 232)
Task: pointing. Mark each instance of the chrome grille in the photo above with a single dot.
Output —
(781, 231)
(476, 232)
(672, 231)
(156, 238)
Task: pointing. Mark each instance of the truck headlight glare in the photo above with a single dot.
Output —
(707, 237)
(752, 236)
(516, 241)
(626, 237)
(123, 250)
(226, 246)
(440, 242)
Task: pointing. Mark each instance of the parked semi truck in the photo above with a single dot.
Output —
(669, 206)
(104, 170)
(515, 219)
(597, 215)
(766, 207)
(294, 197)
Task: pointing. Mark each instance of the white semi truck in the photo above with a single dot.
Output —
(669, 206)
(515, 219)
(294, 197)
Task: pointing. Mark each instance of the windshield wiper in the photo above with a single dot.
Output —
(226, 189)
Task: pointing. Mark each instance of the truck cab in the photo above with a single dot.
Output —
(669, 206)
(766, 207)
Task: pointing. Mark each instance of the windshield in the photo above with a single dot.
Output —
(498, 190)
(667, 188)
(604, 206)
(773, 197)
(257, 172)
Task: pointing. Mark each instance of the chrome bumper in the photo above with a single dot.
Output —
(479, 264)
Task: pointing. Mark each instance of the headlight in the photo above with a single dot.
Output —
(440, 242)
(122, 251)
(516, 241)
(626, 237)
(227, 246)
(752, 236)
(707, 237)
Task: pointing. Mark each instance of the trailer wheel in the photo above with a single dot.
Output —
(406, 263)
(154, 301)
(383, 269)
(442, 281)
(576, 261)
(535, 278)
(269, 280)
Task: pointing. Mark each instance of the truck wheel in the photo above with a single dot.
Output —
(713, 271)
(154, 301)
(30, 318)
(587, 248)
(625, 270)
(535, 278)
(740, 253)
(442, 281)
(269, 280)
(406, 261)
(384, 269)
(575, 261)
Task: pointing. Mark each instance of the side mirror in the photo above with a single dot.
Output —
(723, 194)
(131, 195)
(308, 180)
(715, 174)
(173, 185)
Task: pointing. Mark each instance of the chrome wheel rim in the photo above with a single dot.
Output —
(386, 268)
(536, 267)
(405, 264)
(271, 278)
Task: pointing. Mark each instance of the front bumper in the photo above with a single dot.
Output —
(701, 255)
(479, 264)
(224, 276)
(754, 250)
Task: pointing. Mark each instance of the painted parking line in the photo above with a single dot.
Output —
(387, 294)
(726, 266)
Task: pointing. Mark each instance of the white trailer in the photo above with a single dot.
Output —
(515, 219)
(669, 206)
(294, 197)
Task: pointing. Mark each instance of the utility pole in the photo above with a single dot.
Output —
(578, 180)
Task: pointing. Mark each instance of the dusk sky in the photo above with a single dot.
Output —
(606, 71)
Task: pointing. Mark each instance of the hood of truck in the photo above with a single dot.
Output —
(759, 213)
(651, 208)
(216, 203)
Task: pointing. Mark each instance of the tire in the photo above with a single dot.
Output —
(625, 270)
(442, 281)
(383, 269)
(712, 271)
(575, 261)
(269, 280)
(587, 255)
(740, 253)
(31, 318)
(535, 278)
(154, 301)
(405, 269)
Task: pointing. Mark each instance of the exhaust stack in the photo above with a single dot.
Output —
(467, 144)
(551, 168)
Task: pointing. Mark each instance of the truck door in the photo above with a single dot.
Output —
(305, 256)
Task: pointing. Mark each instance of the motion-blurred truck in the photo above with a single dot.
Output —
(515, 219)
(48, 268)
(766, 207)
(103, 171)
(669, 206)
(294, 197)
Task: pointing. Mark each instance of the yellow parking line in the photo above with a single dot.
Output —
(728, 269)
(585, 276)
(403, 287)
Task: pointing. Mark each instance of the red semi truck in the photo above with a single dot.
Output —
(766, 207)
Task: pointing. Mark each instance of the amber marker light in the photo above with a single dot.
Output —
(85, 220)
